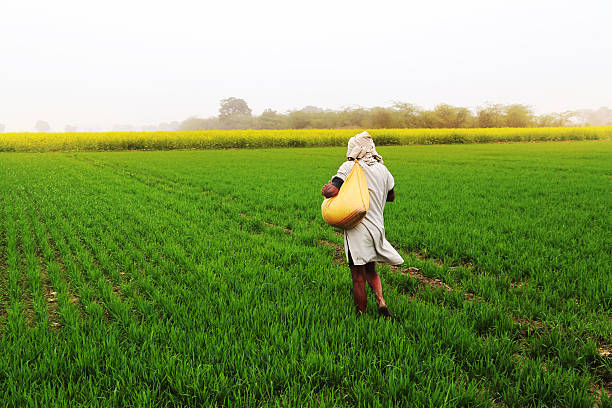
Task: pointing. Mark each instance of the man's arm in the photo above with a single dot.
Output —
(390, 183)
(332, 188)
(337, 182)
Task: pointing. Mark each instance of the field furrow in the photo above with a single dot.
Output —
(28, 268)
(42, 292)
(16, 320)
(63, 305)
(98, 289)
(63, 242)
(4, 297)
(107, 250)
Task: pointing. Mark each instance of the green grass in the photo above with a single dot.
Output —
(199, 278)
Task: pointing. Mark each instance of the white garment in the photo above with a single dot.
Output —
(367, 240)
(361, 146)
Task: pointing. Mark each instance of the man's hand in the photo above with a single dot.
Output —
(329, 190)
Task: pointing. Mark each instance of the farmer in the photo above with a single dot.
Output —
(365, 244)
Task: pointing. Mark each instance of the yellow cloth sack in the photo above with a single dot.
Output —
(348, 208)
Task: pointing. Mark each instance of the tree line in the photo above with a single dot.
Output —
(234, 113)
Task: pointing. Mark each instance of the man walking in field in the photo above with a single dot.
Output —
(365, 244)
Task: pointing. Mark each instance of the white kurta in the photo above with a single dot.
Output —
(367, 240)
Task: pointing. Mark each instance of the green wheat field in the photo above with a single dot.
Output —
(208, 278)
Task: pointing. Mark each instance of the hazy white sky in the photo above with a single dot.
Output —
(144, 62)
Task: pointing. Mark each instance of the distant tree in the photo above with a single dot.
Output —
(448, 116)
(568, 117)
(70, 128)
(42, 126)
(324, 120)
(490, 116)
(298, 120)
(237, 121)
(315, 118)
(234, 113)
(546, 120)
(466, 118)
(2, 127)
(270, 119)
(233, 106)
(518, 116)
(353, 117)
(428, 119)
(406, 115)
(194, 123)
(381, 118)
(555, 119)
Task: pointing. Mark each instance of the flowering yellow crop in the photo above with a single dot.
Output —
(220, 139)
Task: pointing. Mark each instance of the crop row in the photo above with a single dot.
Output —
(215, 139)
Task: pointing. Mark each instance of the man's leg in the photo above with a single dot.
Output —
(374, 282)
(359, 293)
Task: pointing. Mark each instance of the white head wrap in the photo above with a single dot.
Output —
(361, 146)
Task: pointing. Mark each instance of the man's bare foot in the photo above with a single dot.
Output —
(384, 312)
(382, 308)
(380, 302)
